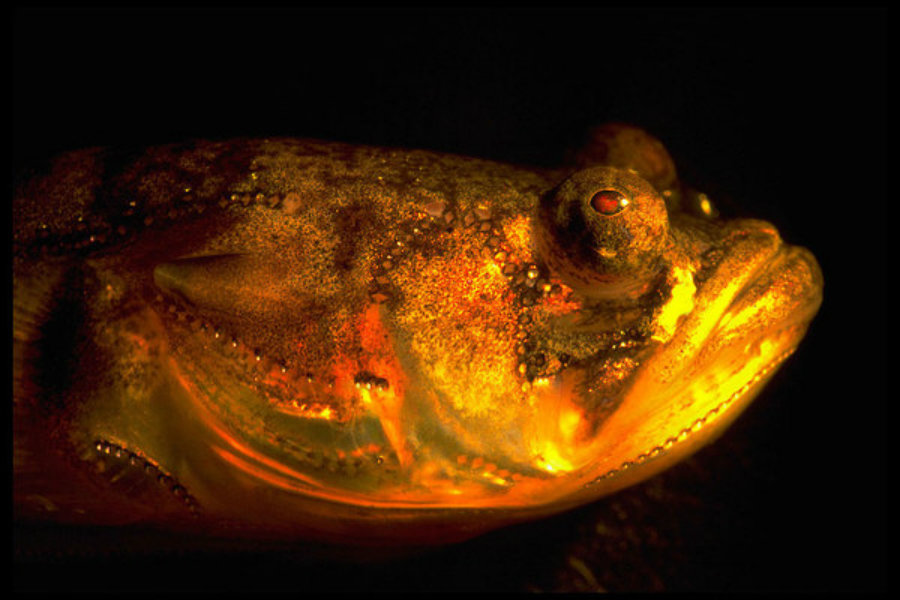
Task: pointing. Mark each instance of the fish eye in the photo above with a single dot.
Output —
(603, 231)
(609, 202)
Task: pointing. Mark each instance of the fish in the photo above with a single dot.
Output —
(292, 339)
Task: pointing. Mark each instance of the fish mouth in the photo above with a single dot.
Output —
(749, 317)
(785, 291)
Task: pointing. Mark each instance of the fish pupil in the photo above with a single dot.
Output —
(609, 202)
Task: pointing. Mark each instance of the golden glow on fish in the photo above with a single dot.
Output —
(314, 339)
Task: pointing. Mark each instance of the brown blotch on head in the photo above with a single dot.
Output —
(631, 149)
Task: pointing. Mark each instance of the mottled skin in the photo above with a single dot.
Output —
(295, 338)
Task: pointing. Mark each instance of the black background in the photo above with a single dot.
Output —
(781, 112)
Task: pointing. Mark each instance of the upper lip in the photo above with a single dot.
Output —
(787, 285)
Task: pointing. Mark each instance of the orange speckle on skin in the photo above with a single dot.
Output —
(518, 233)
(559, 304)
(368, 348)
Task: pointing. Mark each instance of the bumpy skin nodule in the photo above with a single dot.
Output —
(291, 338)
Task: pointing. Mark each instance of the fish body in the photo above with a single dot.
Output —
(288, 339)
